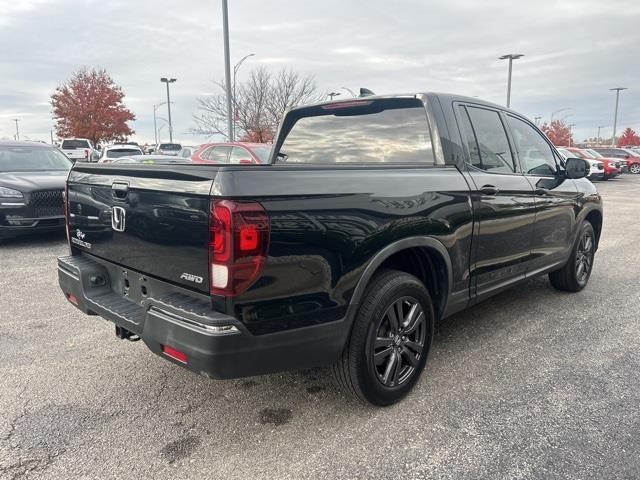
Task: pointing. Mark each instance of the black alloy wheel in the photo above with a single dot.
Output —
(399, 342)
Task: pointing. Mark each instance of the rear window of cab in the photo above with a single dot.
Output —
(359, 131)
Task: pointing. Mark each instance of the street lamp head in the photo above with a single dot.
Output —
(167, 80)
(512, 56)
(618, 89)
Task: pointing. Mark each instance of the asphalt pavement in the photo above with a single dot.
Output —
(532, 383)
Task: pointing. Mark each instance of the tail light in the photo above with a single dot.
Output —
(65, 201)
(238, 243)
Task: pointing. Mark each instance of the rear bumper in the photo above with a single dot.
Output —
(216, 345)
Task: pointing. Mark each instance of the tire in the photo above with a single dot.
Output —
(380, 364)
(635, 168)
(574, 276)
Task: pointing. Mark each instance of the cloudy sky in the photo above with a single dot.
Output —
(576, 50)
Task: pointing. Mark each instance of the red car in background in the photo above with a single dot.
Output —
(610, 164)
(233, 153)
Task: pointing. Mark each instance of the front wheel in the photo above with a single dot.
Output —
(390, 340)
(635, 168)
(574, 276)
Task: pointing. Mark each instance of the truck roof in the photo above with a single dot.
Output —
(444, 97)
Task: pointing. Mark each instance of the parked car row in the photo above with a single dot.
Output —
(605, 163)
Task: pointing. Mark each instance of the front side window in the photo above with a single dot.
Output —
(361, 131)
(493, 151)
(536, 156)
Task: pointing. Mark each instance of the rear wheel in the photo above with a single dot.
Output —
(574, 276)
(390, 340)
(635, 168)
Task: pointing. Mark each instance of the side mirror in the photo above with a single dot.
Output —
(576, 168)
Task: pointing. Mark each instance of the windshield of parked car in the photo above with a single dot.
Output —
(594, 153)
(122, 152)
(582, 154)
(262, 153)
(73, 144)
(171, 147)
(633, 153)
(32, 159)
(567, 153)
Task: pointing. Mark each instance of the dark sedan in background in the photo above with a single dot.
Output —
(32, 178)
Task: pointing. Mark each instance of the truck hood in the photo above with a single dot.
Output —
(31, 181)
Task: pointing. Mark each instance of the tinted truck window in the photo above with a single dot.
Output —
(493, 146)
(361, 132)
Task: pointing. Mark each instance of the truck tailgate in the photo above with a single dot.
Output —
(153, 219)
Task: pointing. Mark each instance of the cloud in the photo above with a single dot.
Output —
(575, 51)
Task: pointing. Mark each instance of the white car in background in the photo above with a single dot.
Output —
(111, 152)
(187, 151)
(78, 149)
(596, 168)
(172, 149)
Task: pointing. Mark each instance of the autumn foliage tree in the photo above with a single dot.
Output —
(628, 137)
(89, 105)
(558, 132)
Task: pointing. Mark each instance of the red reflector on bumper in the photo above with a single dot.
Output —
(72, 298)
(173, 353)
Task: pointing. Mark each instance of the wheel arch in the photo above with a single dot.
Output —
(432, 262)
(594, 217)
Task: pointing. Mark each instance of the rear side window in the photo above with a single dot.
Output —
(73, 144)
(493, 153)
(360, 131)
(219, 154)
(240, 154)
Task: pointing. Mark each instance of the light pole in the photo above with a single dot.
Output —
(168, 81)
(227, 68)
(236, 67)
(598, 137)
(155, 127)
(511, 57)
(353, 94)
(571, 125)
(536, 120)
(332, 94)
(615, 115)
(558, 111)
(159, 130)
(17, 129)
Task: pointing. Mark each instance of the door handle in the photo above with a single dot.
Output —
(489, 190)
(541, 191)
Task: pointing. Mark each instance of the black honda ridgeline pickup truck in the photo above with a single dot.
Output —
(376, 217)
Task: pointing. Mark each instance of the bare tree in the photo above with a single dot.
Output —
(260, 104)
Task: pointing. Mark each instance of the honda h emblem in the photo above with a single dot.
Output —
(118, 215)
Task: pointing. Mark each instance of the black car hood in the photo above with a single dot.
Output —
(31, 181)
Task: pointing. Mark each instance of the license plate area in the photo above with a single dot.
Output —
(134, 286)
